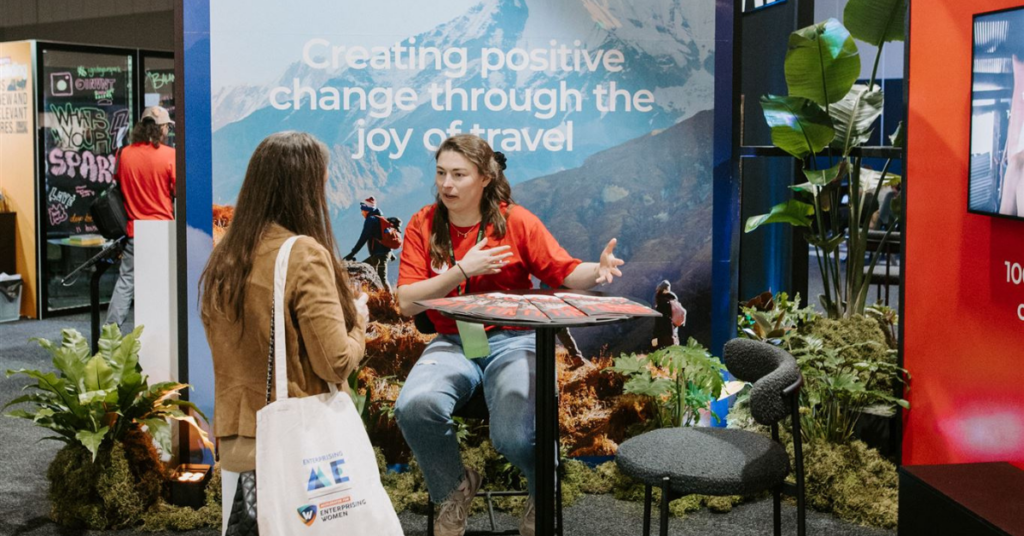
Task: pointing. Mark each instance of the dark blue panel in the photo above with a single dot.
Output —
(198, 194)
(725, 233)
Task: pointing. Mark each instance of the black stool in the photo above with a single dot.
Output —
(476, 408)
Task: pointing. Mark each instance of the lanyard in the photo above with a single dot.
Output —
(464, 289)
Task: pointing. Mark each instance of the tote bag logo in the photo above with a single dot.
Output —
(326, 475)
(307, 514)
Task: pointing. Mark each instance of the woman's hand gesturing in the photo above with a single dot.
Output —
(480, 261)
(608, 267)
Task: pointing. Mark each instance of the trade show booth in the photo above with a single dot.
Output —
(68, 108)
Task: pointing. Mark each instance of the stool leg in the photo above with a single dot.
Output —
(490, 511)
(665, 496)
(558, 506)
(777, 511)
(647, 510)
(430, 517)
(559, 471)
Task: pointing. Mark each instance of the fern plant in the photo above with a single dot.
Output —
(95, 400)
(838, 388)
(692, 380)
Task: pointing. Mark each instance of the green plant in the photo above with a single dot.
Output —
(825, 108)
(772, 318)
(97, 400)
(852, 481)
(840, 386)
(693, 379)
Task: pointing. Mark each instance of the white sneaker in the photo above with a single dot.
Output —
(528, 524)
(451, 520)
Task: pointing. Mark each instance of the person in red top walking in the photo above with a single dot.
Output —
(146, 171)
(474, 238)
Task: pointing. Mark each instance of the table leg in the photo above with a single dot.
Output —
(547, 427)
(98, 270)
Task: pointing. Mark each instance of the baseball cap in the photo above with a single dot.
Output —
(158, 114)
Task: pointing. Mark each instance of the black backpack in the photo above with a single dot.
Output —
(107, 210)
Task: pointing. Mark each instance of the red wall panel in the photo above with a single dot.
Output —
(963, 340)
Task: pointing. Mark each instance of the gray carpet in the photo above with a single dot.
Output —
(23, 461)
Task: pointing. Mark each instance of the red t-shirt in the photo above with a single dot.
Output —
(534, 252)
(147, 176)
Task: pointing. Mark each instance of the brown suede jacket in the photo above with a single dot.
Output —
(322, 346)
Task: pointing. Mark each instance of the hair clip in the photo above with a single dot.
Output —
(499, 157)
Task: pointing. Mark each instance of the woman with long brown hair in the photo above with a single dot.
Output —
(282, 196)
(474, 238)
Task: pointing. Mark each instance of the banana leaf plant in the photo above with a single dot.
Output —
(826, 115)
(94, 400)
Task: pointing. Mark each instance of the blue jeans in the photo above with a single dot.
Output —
(124, 289)
(444, 379)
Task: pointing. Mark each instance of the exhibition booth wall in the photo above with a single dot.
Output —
(964, 297)
(607, 116)
(17, 139)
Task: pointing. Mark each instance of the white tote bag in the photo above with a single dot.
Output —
(316, 473)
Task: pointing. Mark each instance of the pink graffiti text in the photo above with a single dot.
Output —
(85, 164)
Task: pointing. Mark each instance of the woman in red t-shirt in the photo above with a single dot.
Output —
(474, 238)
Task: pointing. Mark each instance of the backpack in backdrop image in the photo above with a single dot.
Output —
(678, 314)
(390, 236)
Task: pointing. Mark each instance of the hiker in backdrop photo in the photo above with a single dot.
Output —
(672, 316)
(474, 238)
(382, 236)
(276, 303)
(145, 171)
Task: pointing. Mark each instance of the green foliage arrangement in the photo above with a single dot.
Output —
(839, 388)
(94, 401)
(826, 109)
(102, 407)
(852, 481)
(769, 318)
(693, 380)
(165, 517)
(848, 365)
(112, 491)
(849, 368)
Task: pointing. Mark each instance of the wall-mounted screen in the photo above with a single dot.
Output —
(997, 115)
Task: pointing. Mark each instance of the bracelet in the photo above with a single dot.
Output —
(463, 271)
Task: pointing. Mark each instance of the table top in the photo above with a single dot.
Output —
(553, 324)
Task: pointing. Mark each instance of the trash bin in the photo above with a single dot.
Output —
(10, 297)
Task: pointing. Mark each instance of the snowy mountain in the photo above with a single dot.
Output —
(668, 48)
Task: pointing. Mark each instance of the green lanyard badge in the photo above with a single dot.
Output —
(474, 336)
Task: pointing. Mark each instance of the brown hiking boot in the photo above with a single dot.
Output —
(451, 520)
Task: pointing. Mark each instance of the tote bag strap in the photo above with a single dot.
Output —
(278, 352)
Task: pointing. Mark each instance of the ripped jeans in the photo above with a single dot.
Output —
(443, 380)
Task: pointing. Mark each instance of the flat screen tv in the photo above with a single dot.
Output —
(996, 183)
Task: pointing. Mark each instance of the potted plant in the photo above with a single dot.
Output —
(823, 119)
(107, 414)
